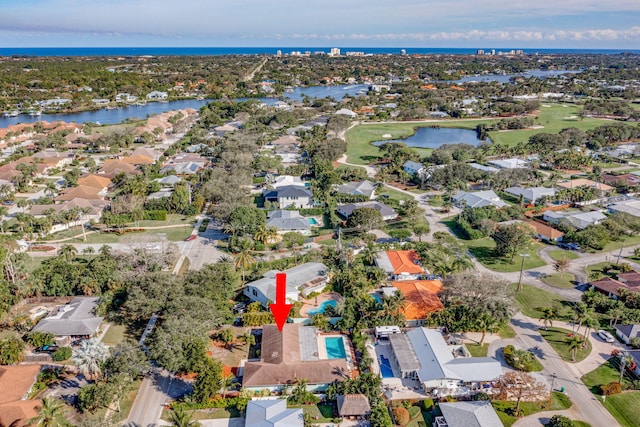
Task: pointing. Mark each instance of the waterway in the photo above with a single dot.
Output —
(505, 78)
(433, 137)
(121, 114)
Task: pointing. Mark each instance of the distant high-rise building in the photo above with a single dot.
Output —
(403, 52)
(335, 51)
(493, 51)
(480, 52)
(278, 53)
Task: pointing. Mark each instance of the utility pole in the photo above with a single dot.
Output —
(521, 271)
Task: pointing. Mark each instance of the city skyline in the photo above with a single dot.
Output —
(404, 23)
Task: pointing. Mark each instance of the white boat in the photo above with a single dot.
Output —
(34, 113)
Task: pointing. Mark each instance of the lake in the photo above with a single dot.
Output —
(430, 137)
(504, 78)
(120, 114)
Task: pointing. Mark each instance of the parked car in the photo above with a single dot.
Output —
(606, 336)
(46, 349)
(190, 238)
(239, 308)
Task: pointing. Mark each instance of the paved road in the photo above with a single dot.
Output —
(157, 388)
(587, 406)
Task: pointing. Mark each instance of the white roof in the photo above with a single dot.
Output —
(632, 207)
(272, 413)
(483, 167)
(470, 414)
(510, 163)
(479, 199)
(532, 194)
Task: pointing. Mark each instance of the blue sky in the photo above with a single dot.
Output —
(402, 23)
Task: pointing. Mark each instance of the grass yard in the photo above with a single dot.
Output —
(482, 249)
(560, 280)
(622, 406)
(419, 418)
(477, 350)
(558, 337)
(614, 246)
(558, 254)
(114, 335)
(599, 268)
(505, 409)
(531, 298)
(553, 118)
(320, 413)
(389, 193)
(507, 331)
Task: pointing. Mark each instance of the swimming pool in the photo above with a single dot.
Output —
(376, 297)
(313, 221)
(385, 367)
(323, 307)
(335, 348)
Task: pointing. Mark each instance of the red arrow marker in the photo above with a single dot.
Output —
(280, 309)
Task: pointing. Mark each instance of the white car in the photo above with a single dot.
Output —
(606, 336)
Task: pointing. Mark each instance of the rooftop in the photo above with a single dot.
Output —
(73, 319)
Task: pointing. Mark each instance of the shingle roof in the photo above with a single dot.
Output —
(15, 381)
(479, 199)
(470, 414)
(630, 331)
(613, 286)
(288, 220)
(385, 211)
(73, 319)
(532, 193)
(353, 405)
(365, 188)
(583, 182)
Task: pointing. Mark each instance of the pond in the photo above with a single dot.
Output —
(434, 137)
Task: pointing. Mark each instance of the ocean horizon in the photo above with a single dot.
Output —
(217, 51)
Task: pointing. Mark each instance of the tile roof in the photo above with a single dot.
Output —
(15, 381)
(80, 192)
(583, 182)
(15, 414)
(404, 262)
(613, 286)
(421, 297)
(544, 230)
(94, 180)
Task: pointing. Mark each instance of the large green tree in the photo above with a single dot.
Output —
(510, 240)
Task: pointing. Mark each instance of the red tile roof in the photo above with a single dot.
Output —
(421, 297)
(405, 262)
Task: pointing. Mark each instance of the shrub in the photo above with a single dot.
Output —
(611, 389)
(401, 415)
(38, 339)
(63, 353)
(155, 215)
(635, 342)
(559, 421)
(427, 404)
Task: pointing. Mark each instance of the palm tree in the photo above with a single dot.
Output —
(391, 308)
(88, 250)
(625, 360)
(181, 418)
(68, 252)
(369, 253)
(575, 343)
(90, 356)
(486, 323)
(244, 259)
(50, 414)
(548, 315)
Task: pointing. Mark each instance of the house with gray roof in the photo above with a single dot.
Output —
(483, 168)
(291, 196)
(413, 168)
(302, 279)
(72, 321)
(579, 220)
(364, 188)
(531, 194)
(478, 199)
(169, 180)
(467, 414)
(513, 163)
(423, 354)
(272, 413)
(627, 332)
(387, 212)
(288, 221)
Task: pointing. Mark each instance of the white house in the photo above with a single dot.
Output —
(478, 199)
(272, 413)
(291, 195)
(387, 212)
(579, 220)
(413, 168)
(156, 95)
(126, 97)
(302, 279)
(289, 221)
(346, 112)
(513, 163)
(531, 194)
(626, 332)
(364, 188)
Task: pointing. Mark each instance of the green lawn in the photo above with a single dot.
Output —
(323, 412)
(114, 335)
(419, 418)
(505, 409)
(482, 249)
(553, 119)
(558, 254)
(507, 331)
(477, 350)
(531, 298)
(560, 280)
(614, 246)
(558, 338)
(622, 406)
(599, 268)
(389, 193)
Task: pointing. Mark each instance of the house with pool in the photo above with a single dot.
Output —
(298, 352)
(301, 280)
(422, 359)
(400, 265)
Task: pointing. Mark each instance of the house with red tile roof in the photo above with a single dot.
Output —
(420, 299)
(629, 282)
(400, 265)
(15, 383)
(545, 232)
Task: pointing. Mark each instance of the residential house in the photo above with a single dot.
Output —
(291, 196)
(414, 168)
(112, 167)
(512, 163)
(126, 97)
(627, 332)
(95, 181)
(302, 279)
(478, 199)
(284, 180)
(94, 210)
(484, 168)
(440, 368)
(15, 384)
(272, 413)
(71, 321)
(387, 212)
(364, 188)
(161, 194)
(583, 182)
(156, 95)
(296, 352)
(544, 232)
(420, 299)
(579, 220)
(80, 192)
(346, 112)
(467, 414)
(531, 194)
(138, 160)
(185, 164)
(624, 180)
(169, 180)
(632, 207)
(289, 221)
(629, 282)
(355, 405)
(400, 265)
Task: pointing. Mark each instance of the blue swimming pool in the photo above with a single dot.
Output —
(376, 297)
(385, 367)
(323, 307)
(335, 348)
(313, 221)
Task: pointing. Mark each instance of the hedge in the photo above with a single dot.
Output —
(155, 215)
(63, 353)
